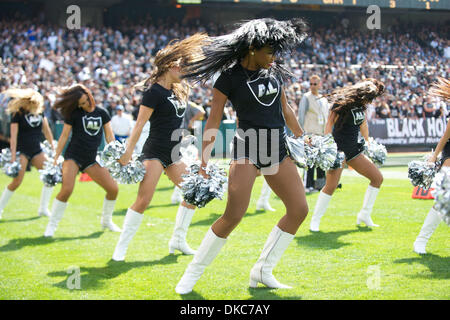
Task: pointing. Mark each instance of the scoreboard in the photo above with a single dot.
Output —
(404, 4)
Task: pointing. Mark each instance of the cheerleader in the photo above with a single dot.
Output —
(164, 104)
(27, 123)
(440, 89)
(252, 81)
(345, 121)
(85, 121)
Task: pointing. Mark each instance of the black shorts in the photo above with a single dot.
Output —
(351, 150)
(30, 151)
(264, 149)
(166, 154)
(446, 152)
(83, 160)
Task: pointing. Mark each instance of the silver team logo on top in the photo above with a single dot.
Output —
(34, 120)
(92, 125)
(265, 90)
(358, 116)
(180, 108)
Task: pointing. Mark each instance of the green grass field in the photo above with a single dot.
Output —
(341, 262)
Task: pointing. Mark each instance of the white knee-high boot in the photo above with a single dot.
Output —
(177, 197)
(45, 200)
(132, 222)
(369, 201)
(208, 250)
(182, 222)
(276, 244)
(58, 209)
(263, 201)
(6, 195)
(106, 221)
(321, 206)
(430, 224)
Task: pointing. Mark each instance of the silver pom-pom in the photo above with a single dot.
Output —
(131, 173)
(198, 190)
(441, 194)
(51, 174)
(296, 147)
(421, 173)
(375, 151)
(11, 169)
(5, 157)
(48, 150)
(188, 150)
(321, 152)
(338, 163)
(327, 151)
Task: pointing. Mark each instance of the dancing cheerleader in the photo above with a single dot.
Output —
(440, 89)
(27, 123)
(164, 104)
(85, 121)
(252, 81)
(345, 121)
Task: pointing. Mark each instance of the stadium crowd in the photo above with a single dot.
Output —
(110, 61)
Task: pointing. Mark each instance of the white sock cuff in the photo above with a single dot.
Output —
(323, 195)
(59, 204)
(134, 216)
(8, 192)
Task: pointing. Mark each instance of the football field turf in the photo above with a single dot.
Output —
(342, 261)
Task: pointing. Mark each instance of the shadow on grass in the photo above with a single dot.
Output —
(264, 293)
(192, 296)
(212, 217)
(438, 266)
(93, 278)
(328, 240)
(17, 244)
(166, 205)
(20, 220)
(165, 188)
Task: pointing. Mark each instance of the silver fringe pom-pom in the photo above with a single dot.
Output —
(338, 163)
(5, 157)
(198, 190)
(131, 173)
(296, 147)
(375, 151)
(10, 169)
(421, 173)
(51, 174)
(441, 194)
(188, 150)
(327, 151)
(321, 153)
(47, 149)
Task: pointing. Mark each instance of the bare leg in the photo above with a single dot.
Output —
(287, 184)
(46, 193)
(102, 177)
(240, 182)
(365, 167)
(15, 183)
(184, 214)
(134, 214)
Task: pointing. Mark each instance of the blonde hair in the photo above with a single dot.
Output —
(177, 54)
(27, 100)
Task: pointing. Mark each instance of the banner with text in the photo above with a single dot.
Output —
(413, 134)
